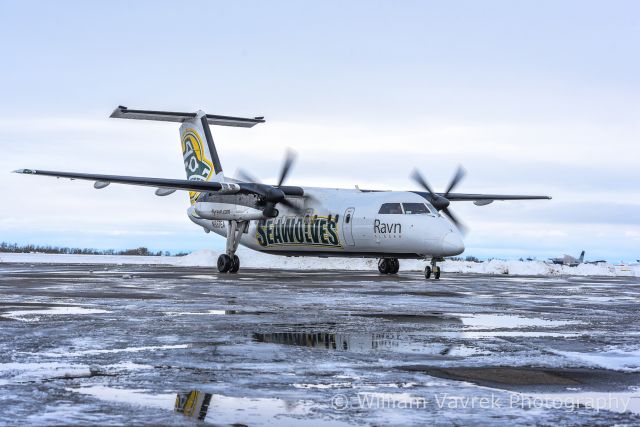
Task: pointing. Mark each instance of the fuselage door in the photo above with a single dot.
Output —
(347, 223)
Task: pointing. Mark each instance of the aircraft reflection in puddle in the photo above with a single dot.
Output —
(358, 343)
(229, 410)
(194, 404)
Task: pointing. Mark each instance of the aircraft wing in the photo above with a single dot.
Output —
(458, 197)
(177, 184)
(102, 181)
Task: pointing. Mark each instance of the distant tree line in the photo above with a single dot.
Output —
(468, 258)
(15, 248)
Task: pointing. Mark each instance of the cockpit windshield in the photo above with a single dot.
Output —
(390, 208)
(415, 208)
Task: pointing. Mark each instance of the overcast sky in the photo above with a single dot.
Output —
(531, 97)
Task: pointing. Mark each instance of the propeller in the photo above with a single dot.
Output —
(272, 195)
(441, 203)
(286, 166)
(245, 176)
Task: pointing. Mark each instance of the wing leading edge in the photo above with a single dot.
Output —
(458, 197)
(177, 184)
(481, 199)
(101, 181)
(188, 185)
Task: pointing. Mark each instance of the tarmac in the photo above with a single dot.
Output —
(124, 344)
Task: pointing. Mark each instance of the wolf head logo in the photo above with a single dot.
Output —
(197, 165)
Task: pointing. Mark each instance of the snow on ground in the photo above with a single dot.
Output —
(253, 259)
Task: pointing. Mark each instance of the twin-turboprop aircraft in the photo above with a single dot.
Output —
(301, 221)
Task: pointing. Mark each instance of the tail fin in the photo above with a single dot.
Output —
(581, 259)
(201, 161)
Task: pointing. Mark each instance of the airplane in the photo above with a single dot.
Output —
(301, 221)
(568, 260)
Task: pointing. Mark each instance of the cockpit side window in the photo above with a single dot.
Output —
(415, 208)
(390, 208)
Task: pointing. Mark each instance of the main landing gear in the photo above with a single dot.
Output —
(229, 262)
(433, 268)
(388, 265)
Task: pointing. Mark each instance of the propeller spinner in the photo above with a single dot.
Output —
(440, 202)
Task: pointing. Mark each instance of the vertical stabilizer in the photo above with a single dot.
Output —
(201, 161)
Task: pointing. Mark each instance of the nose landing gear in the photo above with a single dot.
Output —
(388, 265)
(433, 268)
(229, 262)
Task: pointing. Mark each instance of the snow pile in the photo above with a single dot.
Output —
(253, 259)
(39, 258)
(538, 268)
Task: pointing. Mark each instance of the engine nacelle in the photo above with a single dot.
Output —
(227, 212)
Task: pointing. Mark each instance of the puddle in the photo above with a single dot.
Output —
(255, 411)
(535, 279)
(463, 351)
(498, 334)
(131, 397)
(213, 313)
(322, 386)
(357, 343)
(34, 315)
(497, 321)
(433, 318)
(209, 407)
(65, 353)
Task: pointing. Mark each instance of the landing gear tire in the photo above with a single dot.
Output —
(235, 264)
(225, 263)
(384, 266)
(229, 261)
(433, 268)
(395, 266)
(388, 265)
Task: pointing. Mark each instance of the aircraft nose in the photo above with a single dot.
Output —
(452, 244)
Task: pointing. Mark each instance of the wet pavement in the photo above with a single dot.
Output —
(96, 344)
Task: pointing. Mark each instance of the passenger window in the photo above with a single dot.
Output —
(390, 208)
(415, 208)
(347, 218)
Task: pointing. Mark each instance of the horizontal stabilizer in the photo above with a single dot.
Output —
(169, 116)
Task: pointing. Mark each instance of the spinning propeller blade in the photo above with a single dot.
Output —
(275, 194)
(286, 166)
(441, 203)
(460, 173)
(246, 176)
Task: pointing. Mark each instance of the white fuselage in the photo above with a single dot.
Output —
(339, 222)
